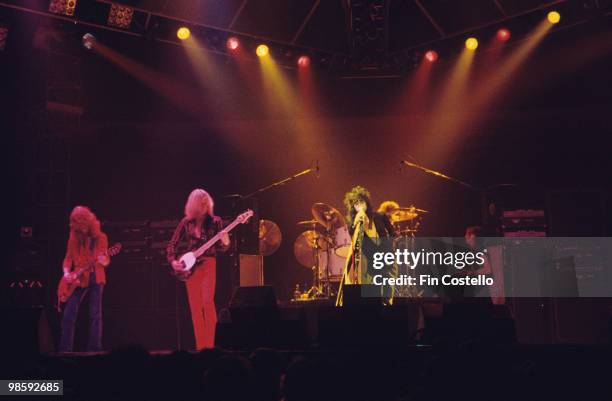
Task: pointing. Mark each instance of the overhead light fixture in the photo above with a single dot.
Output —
(89, 41)
(183, 33)
(503, 35)
(303, 61)
(262, 50)
(232, 43)
(431, 56)
(471, 43)
(553, 17)
(63, 7)
(120, 16)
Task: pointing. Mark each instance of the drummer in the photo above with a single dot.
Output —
(387, 207)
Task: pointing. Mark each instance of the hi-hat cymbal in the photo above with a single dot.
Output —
(328, 216)
(304, 248)
(270, 237)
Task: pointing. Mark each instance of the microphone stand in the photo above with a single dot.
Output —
(353, 258)
(439, 174)
(481, 191)
(314, 169)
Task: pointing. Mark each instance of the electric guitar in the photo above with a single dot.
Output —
(65, 288)
(189, 259)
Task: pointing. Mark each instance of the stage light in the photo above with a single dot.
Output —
(431, 56)
(120, 16)
(553, 17)
(63, 7)
(303, 61)
(471, 43)
(88, 41)
(183, 33)
(3, 36)
(262, 50)
(503, 35)
(232, 43)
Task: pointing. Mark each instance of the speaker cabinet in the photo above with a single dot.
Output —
(251, 270)
(27, 331)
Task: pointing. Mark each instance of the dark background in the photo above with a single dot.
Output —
(135, 155)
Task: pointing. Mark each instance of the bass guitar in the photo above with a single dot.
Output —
(190, 259)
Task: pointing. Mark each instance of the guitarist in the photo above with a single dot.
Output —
(198, 226)
(86, 248)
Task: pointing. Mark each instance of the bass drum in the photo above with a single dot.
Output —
(336, 255)
(334, 263)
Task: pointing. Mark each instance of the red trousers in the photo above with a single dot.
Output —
(201, 294)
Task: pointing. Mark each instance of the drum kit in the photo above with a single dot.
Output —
(326, 243)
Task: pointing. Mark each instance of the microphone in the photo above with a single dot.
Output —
(360, 217)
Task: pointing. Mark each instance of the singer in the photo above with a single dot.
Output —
(376, 227)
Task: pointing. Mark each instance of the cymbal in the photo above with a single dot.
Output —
(311, 238)
(410, 209)
(304, 248)
(312, 222)
(328, 216)
(402, 215)
(270, 237)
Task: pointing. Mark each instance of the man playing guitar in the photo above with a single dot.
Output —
(197, 227)
(86, 251)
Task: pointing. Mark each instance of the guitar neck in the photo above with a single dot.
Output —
(200, 251)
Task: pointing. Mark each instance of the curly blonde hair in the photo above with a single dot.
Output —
(199, 204)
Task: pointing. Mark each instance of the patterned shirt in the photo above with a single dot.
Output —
(185, 239)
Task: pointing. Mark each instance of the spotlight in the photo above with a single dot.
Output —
(89, 41)
(63, 7)
(183, 33)
(554, 17)
(120, 16)
(232, 43)
(471, 43)
(303, 61)
(431, 56)
(503, 35)
(262, 50)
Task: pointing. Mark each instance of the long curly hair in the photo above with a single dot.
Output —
(199, 204)
(84, 229)
(356, 194)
